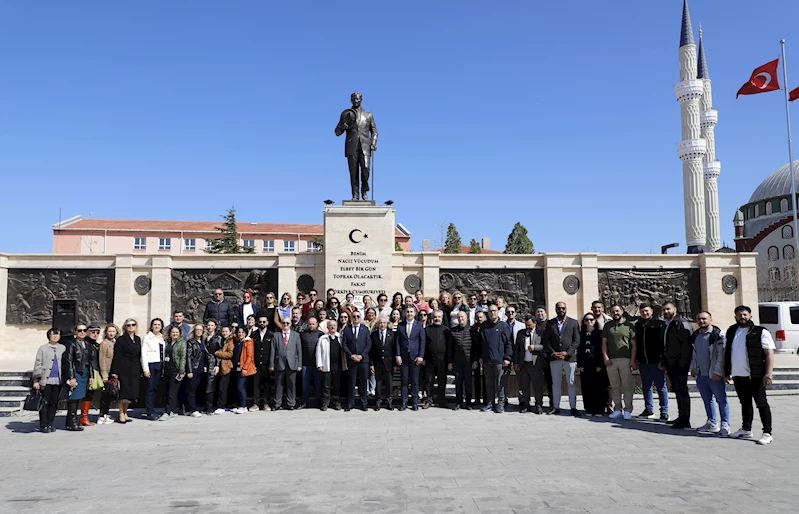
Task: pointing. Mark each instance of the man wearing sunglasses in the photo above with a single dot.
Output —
(356, 345)
(220, 309)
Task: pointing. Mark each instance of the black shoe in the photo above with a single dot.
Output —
(276, 408)
(664, 417)
(323, 408)
(680, 424)
(347, 408)
(466, 406)
(75, 428)
(426, 405)
(390, 407)
(575, 413)
(672, 421)
(51, 429)
(539, 410)
(337, 406)
(44, 430)
(290, 408)
(457, 406)
(181, 412)
(553, 411)
(363, 408)
(402, 408)
(377, 406)
(415, 407)
(300, 406)
(646, 414)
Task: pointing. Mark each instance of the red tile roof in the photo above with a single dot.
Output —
(466, 248)
(308, 229)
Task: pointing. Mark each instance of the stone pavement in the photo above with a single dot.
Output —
(427, 461)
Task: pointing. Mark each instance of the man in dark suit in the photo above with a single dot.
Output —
(361, 141)
(409, 350)
(285, 360)
(561, 339)
(529, 362)
(382, 359)
(356, 346)
(262, 345)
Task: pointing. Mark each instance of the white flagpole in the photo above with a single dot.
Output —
(790, 153)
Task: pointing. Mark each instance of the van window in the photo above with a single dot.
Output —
(794, 315)
(768, 315)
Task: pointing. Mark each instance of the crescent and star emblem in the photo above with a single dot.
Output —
(766, 79)
(353, 235)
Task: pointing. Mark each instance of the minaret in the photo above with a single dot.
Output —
(712, 168)
(692, 148)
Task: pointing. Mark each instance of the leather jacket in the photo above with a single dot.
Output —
(213, 344)
(195, 355)
(77, 358)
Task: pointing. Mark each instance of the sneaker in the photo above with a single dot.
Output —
(499, 410)
(766, 439)
(616, 414)
(219, 411)
(488, 408)
(628, 415)
(646, 414)
(196, 414)
(708, 427)
(253, 408)
(164, 417)
(725, 430)
(554, 411)
(101, 420)
(664, 416)
(742, 434)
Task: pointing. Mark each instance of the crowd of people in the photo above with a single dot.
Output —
(346, 353)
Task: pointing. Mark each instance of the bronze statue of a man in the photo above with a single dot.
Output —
(359, 124)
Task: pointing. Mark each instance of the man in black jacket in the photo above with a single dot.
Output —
(220, 309)
(462, 360)
(649, 333)
(677, 362)
(381, 357)
(438, 340)
(262, 343)
(309, 337)
(477, 344)
(529, 361)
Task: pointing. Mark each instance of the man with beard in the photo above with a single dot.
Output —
(540, 329)
(438, 340)
(308, 339)
(676, 361)
(649, 336)
(619, 352)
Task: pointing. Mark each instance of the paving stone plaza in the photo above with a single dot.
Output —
(432, 461)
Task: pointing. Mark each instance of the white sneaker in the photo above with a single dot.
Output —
(766, 439)
(196, 414)
(253, 408)
(101, 420)
(628, 415)
(725, 430)
(164, 417)
(219, 411)
(616, 414)
(742, 434)
(709, 426)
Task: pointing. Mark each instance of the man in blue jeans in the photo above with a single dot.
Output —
(707, 365)
(649, 335)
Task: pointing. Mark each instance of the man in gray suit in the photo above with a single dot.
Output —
(285, 360)
(561, 339)
(359, 124)
(529, 361)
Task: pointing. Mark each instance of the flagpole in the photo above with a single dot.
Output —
(790, 153)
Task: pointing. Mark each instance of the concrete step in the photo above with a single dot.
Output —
(6, 412)
(15, 380)
(15, 373)
(12, 401)
(13, 391)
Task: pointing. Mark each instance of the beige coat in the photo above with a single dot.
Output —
(106, 356)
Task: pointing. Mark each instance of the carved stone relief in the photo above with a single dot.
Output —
(631, 288)
(524, 288)
(192, 289)
(31, 294)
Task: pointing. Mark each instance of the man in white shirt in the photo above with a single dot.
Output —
(749, 360)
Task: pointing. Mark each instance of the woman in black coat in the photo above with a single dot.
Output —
(592, 367)
(126, 367)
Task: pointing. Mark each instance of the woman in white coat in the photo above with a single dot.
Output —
(331, 361)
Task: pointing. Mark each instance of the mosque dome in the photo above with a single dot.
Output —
(777, 184)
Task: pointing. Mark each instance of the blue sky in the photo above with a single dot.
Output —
(560, 115)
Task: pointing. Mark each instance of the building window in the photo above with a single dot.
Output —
(784, 205)
(139, 243)
(288, 246)
(269, 246)
(310, 246)
(209, 245)
(774, 274)
(165, 243)
(190, 244)
(757, 210)
(248, 243)
(787, 232)
(773, 253)
(768, 208)
(787, 252)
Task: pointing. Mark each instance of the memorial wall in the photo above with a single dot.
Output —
(358, 256)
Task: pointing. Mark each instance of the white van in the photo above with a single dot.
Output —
(782, 320)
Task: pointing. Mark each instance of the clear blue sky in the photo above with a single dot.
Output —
(560, 115)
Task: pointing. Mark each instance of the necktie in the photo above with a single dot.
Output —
(355, 329)
(286, 339)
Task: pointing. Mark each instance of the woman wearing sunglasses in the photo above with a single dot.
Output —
(78, 373)
(591, 364)
(126, 367)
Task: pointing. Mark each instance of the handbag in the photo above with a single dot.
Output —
(34, 401)
(112, 388)
(97, 382)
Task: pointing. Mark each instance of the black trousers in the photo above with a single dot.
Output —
(595, 386)
(290, 377)
(222, 386)
(548, 379)
(172, 388)
(477, 375)
(384, 381)
(331, 386)
(50, 395)
(749, 389)
(260, 387)
(359, 160)
(105, 401)
(436, 381)
(678, 375)
(359, 374)
(531, 374)
(211, 383)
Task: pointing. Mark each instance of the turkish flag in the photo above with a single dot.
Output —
(794, 95)
(763, 80)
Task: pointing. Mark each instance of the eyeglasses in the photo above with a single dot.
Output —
(131, 325)
(510, 312)
(218, 294)
(312, 295)
(80, 330)
(589, 319)
(356, 315)
(423, 314)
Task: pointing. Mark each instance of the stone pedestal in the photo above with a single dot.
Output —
(359, 243)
